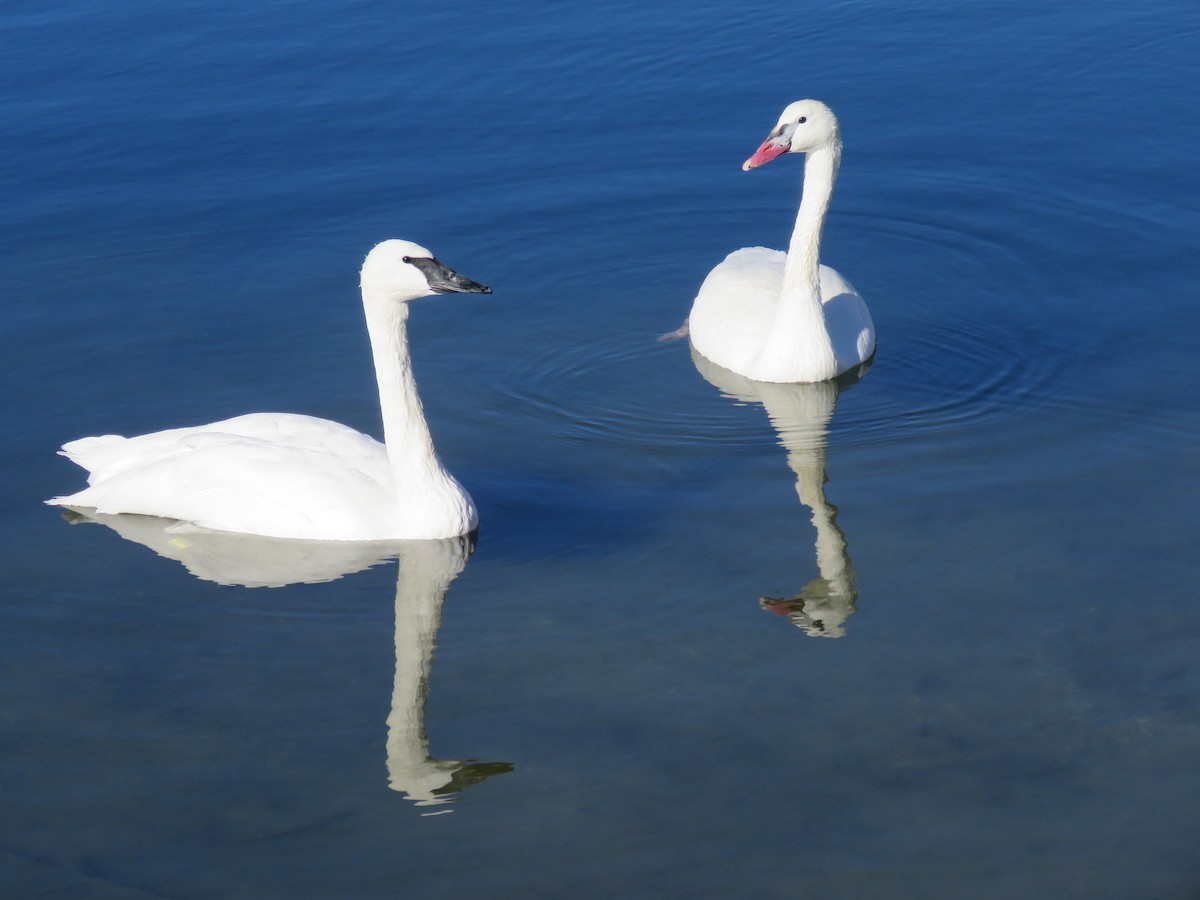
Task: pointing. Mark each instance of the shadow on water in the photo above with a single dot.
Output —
(800, 414)
(425, 571)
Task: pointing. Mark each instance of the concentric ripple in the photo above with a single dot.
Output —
(977, 332)
(954, 376)
(629, 394)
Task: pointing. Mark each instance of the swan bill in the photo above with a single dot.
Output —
(770, 149)
(444, 280)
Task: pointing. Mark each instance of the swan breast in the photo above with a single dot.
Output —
(735, 311)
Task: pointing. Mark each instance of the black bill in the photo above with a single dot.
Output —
(444, 280)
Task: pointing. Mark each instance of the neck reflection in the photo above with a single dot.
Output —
(800, 414)
(426, 570)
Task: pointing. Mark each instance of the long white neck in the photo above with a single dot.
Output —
(798, 347)
(415, 464)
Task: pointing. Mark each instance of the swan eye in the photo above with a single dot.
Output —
(406, 259)
(802, 120)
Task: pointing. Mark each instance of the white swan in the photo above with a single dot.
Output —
(295, 476)
(779, 317)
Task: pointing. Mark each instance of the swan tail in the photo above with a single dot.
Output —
(69, 501)
(84, 451)
(93, 455)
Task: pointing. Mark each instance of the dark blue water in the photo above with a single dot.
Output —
(634, 691)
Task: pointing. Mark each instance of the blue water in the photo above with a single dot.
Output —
(637, 657)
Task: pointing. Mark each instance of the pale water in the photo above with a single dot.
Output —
(940, 641)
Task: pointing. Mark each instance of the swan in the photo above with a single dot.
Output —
(295, 476)
(784, 317)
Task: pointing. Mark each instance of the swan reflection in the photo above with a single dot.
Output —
(800, 414)
(426, 569)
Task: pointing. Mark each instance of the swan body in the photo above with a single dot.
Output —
(295, 476)
(783, 317)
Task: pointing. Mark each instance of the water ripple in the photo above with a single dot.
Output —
(953, 376)
(632, 395)
(621, 390)
(1013, 345)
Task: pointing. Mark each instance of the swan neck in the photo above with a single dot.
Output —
(801, 278)
(405, 431)
(798, 347)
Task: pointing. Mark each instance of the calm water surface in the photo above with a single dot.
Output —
(931, 634)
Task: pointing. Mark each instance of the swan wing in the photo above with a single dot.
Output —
(847, 319)
(278, 475)
(109, 455)
(735, 307)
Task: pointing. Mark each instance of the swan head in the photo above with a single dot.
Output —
(803, 126)
(402, 270)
